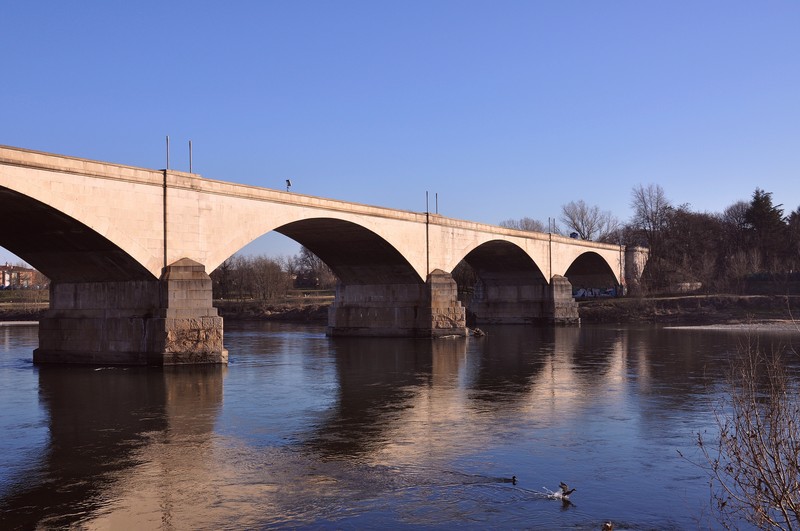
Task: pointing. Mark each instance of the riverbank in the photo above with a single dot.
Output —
(21, 313)
(297, 312)
(684, 310)
(692, 309)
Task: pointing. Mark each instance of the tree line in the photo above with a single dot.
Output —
(746, 242)
(262, 278)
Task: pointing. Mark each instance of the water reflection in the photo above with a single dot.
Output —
(508, 360)
(11, 336)
(98, 420)
(378, 379)
(310, 431)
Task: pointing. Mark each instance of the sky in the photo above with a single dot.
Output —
(501, 109)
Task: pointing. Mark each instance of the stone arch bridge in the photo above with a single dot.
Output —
(128, 251)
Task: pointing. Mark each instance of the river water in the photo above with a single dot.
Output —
(305, 431)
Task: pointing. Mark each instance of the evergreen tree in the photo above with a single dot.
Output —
(767, 225)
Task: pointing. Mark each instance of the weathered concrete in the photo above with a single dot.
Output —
(524, 304)
(561, 307)
(161, 322)
(635, 260)
(402, 310)
(104, 234)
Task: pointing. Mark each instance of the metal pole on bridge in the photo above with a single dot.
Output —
(427, 236)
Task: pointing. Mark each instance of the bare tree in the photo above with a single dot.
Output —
(270, 282)
(465, 277)
(589, 222)
(222, 279)
(529, 224)
(315, 269)
(754, 463)
(651, 210)
(737, 236)
(291, 264)
(251, 277)
(735, 215)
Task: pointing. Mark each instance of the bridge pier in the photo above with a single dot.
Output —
(398, 310)
(170, 321)
(507, 303)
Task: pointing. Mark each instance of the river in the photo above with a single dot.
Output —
(305, 431)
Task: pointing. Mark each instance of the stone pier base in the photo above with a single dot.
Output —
(398, 310)
(160, 322)
(561, 307)
(525, 304)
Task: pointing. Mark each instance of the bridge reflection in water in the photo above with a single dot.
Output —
(362, 432)
(100, 421)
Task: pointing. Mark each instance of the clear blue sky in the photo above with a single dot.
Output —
(505, 109)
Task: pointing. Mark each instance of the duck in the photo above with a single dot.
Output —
(565, 490)
(608, 526)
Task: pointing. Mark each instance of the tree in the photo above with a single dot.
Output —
(690, 247)
(315, 270)
(589, 222)
(734, 220)
(529, 224)
(250, 277)
(222, 279)
(466, 277)
(651, 210)
(736, 215)
(754, 462)
(270, 282)
(793, 226)
(291, 264)
(767, 224)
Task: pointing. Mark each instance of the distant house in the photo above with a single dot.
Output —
(18, 277)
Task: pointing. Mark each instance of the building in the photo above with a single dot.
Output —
(19, 277)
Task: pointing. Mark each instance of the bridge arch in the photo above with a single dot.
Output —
(503, 263)
(356, 254)
(510, 288)
(591, 271)
(333, 234)
(63, 248)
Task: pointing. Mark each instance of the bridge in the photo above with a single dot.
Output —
(128, 251)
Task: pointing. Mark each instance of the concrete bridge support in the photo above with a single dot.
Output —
(635, 260)
(400, 310)
(169, 321)
(500, 303)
